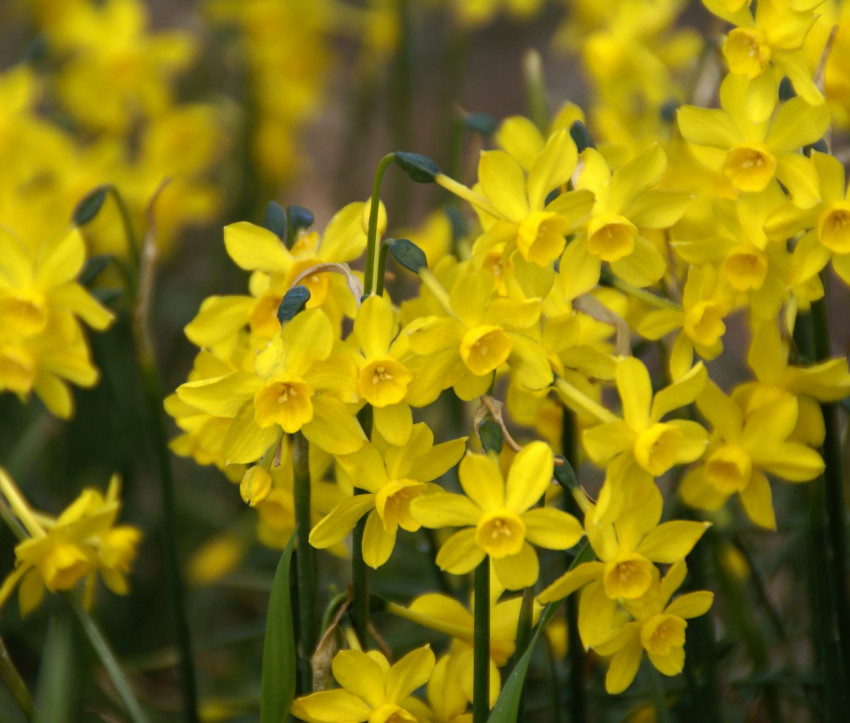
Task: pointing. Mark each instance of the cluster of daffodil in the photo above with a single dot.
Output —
(98, 105)
(55, 554)
(701, 216)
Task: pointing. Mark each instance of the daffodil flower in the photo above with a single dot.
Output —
(625, 202)
(758, 152)
(383, 377)
(498, 517)
(61, 552)
(656, 446)
(659, 629)
(371, 689)
(300, 382)
(742, 450)
(393, 477)
(774, 36)
(627, 549)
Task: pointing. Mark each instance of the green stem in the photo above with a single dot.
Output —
(575, 648)
(481, 644)
(661, 712)
(14, 682)
(401, 108)
(535, 88)
(359, 570)
(107, 657)
(833, 476)
(523, 636)
(305, 558)
(370, 279)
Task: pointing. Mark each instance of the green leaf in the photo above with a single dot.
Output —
(278, 686)
(506, 709)
(409, 255)
(56, 676)
(90, 206)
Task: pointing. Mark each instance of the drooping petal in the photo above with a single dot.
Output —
(460, 553)
(378, 542)
(643, 266)
(551, 528)
(624, 666)
(334, 428)
(571, 581)
(578, 269)
(598, 617)
(336, 525)
(246, 441)
(445, 510)
(518, 571)
(393, 422)
(671, 541)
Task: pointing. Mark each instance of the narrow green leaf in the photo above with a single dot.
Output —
(507, 705)
(56, 673)
(278, 687)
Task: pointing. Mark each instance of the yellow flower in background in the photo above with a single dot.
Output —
(394, 477)
(42, 346)
(502, 522)
(82, 542)
(742, 449)
(771, 39)
(658, 628)
(371, 689)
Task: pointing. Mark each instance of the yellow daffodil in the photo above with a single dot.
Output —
(758, 152)
(499, 512)
(300, 382)
(61, 552)
(625, 202)
(744, 448)
(627, 549)
(371, 689)
(658, 628)
(393, 477)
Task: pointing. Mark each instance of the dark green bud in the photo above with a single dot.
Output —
(482, 123)
(409, 255)
(298, 217)
(90, 205)
(420, 168)
(292, 302)
(565, 475)
(275, 220)
(93, 267)
(581, 136)
(491, 436)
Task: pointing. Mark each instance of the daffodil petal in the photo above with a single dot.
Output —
(335, 526)
(551, 528)
(460, 553)
(518, 571)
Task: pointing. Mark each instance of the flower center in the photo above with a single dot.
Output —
(627, 576)
(655, 448)
(610, 236)
(704, 322)
(383, 382)
(750, 168)
(746, 52)
(24, 312)
(500, 534)
(729, 469)
(662, 633)
(484, 349)
(540, 237)
(393, 504)
(286, 403)
(745, 270)
(834, 227)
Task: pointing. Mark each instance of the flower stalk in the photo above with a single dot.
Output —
(481, 644)
(306, 562)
